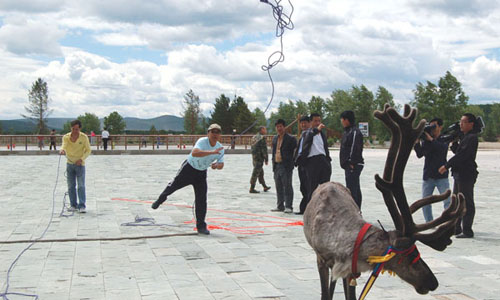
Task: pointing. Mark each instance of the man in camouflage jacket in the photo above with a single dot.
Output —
(259, 157)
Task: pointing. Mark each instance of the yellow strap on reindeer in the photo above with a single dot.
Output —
(380, 259)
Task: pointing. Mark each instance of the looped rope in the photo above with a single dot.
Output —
(283, 22)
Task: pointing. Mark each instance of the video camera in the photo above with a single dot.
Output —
(428, 128)
(453, 131)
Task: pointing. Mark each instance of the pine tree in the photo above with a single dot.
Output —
(37, 109)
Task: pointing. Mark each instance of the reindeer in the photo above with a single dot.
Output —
(332, 221)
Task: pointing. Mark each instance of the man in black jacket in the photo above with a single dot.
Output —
(464, 171)
(351, 154)
(283, 148)
(314, 155)
(435, 149)
(305, 124)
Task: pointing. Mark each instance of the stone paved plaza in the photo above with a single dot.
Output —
(251, 253)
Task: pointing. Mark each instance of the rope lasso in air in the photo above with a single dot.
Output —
(283, 22)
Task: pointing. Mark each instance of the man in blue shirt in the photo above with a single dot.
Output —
(207, 152)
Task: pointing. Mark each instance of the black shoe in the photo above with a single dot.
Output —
(299, 213)
(277, 209)
(203, 231)
(254, 191)
(267, 188)
(156, 204)
(464, 236)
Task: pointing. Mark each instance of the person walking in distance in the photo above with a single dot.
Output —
(351, 154)
(305, 124)
(76, 147)
(283, 148)
(206, 153)
(259, 158)
(105, 138)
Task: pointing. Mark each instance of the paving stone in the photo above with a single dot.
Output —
(246, 259)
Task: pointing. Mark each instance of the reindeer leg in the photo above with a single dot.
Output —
(333, 283)
(349, 291)
(324, 273)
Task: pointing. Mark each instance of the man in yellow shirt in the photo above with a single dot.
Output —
(76, 147)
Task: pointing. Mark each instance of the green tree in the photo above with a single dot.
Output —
(364, 104)
(66, 127)
(38, 105)
(494, 116)
(1, 129)
(382, 97)
(222, 115)
(191, 112)
(114, 123)
(339, 101)
(242, 117)
(287, 112)
(90, 122)
(445, 100)
(152, 130)
(260, 117)
(317, 105)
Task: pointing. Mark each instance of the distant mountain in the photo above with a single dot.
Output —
(165, 122)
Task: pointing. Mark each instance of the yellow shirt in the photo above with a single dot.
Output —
(80, 149)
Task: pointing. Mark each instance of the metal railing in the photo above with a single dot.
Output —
(123, 142)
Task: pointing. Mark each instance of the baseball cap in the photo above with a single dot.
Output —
(214, 126)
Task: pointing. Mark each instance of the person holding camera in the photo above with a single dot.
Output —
(434, 149)
(464, 171)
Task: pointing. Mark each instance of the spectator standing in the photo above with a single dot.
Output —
(283, 148)
(351, 154)
(105, 138)
(464, 171)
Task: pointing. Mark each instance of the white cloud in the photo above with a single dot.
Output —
(216, 47)
(22, 37)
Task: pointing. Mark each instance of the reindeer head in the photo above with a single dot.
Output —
(407, 262)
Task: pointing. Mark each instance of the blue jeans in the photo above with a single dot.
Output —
(442, 184)
(76, 174)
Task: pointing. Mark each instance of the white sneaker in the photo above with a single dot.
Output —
(72, 209)
(288, 210)
(82, 210)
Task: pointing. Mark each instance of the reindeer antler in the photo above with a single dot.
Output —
(403, 138)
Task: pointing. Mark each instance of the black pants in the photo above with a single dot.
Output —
(466, 187)
(105, 142)
(52, 144)
(304, 188)
(187, 175)
(319, 170)
(352, 183)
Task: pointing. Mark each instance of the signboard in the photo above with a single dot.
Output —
(363, 127)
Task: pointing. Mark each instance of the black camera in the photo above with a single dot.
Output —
(428, 128)
(453, 131)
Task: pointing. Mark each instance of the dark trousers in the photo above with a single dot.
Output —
(52, 144)
(319, 170)
(352, 183)
(466, 187)
(187, 175)
(304, 188)
(284, 188)
(105, 142)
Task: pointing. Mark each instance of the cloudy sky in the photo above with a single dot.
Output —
(141, 57)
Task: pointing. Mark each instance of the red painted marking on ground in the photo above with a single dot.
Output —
(222, 223)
